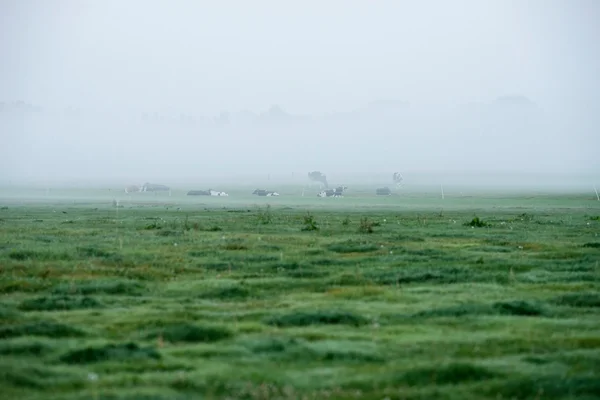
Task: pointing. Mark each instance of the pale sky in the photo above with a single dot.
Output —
(309, 57)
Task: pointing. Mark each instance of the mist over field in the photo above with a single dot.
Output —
(481, 93)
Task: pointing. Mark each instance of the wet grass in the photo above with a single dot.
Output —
(493, 299)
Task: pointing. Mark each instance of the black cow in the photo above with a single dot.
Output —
(337, 192)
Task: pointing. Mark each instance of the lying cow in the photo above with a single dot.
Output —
(198, 193)
(385, 191)
(132, 189)
(337, 192)
(217, 193)
(153, 187)
(262, 192)
(208, 192)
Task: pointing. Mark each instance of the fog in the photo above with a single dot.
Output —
(196, 91)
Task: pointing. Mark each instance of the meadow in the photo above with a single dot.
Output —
(362, 297)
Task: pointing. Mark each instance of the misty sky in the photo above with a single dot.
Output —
(309, 57)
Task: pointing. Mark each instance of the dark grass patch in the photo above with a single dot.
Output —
(108, 286)
(258, 258)
(192, 333)
(45, 239)
(290, 348)
(235, 245)
(338, 351)
(583, 299)
(520, 307)
(405, 238)
(592, 245)
(215, 266)
(306, 273)
(40, 328)
(121, 394)
(547, 387)
(352, 246)
(305, 318)
(213, 228)
(94, 252)
(107, 257)
(52, 303)
(494, 249)
(433, 275)
(202, 253)
(8, 314)
(325, 262)
(477, 223)
(27, 285)
(457, 311)
(271, 345)
(287, 266)
(35, 377)
(111, 352)
(35, 255)
(348, 279)
(448, 374)
(29, 348)
(232, 293)
(168, 233)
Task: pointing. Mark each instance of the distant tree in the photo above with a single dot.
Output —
(317, 176)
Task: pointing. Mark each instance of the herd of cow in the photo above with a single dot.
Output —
(337, 192)
(315, 176)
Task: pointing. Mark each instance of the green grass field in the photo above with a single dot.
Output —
(403, 297)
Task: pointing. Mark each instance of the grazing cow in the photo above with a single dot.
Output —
(262, 192)
(337, 192)
(397, 178)
(385, 191)
(152, 187)
(132, 189)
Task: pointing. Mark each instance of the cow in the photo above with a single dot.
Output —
(397, 179)
(262, 192)
(216, 193)
(208, 192)
(337, 192)
(132, 189)
(152, 187)
(385, 191)
(198, 193)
